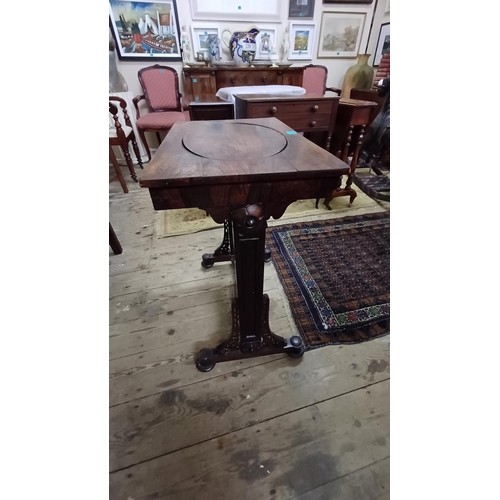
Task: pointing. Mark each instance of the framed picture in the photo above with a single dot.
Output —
(200, 33)
(145, 30)
(347, 1)
(267, 43)
(301, 8)
(383, 43)
(340, 34)
(301, 40)
(232, 10)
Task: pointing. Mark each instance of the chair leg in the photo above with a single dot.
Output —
(143, 139)
(136, 150)
(158, 136)
(117, 169)
(114, 243)
(128, 159)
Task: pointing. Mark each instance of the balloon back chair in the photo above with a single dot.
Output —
(160, 86)
(314, 80)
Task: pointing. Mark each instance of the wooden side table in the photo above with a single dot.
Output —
(245, 171)
(353, 116)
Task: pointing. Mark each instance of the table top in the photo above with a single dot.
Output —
(236, 151)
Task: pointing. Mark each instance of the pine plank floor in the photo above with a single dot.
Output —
(266, 428)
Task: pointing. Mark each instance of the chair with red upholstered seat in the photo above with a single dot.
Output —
(160, 85)
(314, 80)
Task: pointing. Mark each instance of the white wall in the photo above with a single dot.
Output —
(336, 67)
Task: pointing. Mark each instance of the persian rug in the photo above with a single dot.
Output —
(191, 220)
(336, 276)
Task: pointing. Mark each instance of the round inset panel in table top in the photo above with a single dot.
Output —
(241, 140)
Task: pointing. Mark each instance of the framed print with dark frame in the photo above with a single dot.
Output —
(145, 30)
(300, 8)
(340, 34)
(383, 43)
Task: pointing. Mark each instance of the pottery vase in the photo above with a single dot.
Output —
(213, 43)
(242, 45)
(359, 76)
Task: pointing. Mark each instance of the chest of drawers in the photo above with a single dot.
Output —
(306, 113)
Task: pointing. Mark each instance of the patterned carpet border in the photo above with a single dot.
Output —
(323, 307)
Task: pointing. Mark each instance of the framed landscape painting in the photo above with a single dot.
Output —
(145, 30)
(301, 40)
(340, 34)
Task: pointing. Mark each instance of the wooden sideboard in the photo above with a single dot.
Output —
(301, 113)
(205, 80)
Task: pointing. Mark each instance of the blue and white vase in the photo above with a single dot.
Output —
(242, 45)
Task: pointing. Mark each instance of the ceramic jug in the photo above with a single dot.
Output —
(213, 43)
(242, 45)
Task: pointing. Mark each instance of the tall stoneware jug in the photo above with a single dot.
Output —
(359, 76)
(242, 45)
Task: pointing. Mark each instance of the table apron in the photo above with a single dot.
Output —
(219, 200)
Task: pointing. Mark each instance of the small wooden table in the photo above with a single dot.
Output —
(241, 172)
(353, 117)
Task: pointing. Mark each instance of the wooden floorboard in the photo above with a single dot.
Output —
(271, 427)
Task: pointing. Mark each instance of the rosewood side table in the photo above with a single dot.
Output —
(243, 171)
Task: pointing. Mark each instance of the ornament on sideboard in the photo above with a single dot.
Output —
(213, 43)
(186, 46)
(359, 76)
(117, 82)
(285, 45)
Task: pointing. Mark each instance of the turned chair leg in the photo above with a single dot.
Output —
(117, 169)
(136, 150)
(143, 139)
(128, 159)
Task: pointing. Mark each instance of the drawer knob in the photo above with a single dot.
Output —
(315, 107)
(274, 110)
(233, 80)
(313, 124)
(264, 79)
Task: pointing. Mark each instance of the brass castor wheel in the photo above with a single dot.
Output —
(203, 362)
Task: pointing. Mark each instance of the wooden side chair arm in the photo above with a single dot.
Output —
(136, 100)
(333, 89)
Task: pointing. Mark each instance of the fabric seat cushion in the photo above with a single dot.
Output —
(161, 120)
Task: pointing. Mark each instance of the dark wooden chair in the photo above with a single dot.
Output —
(121, 135)
(160, 85)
